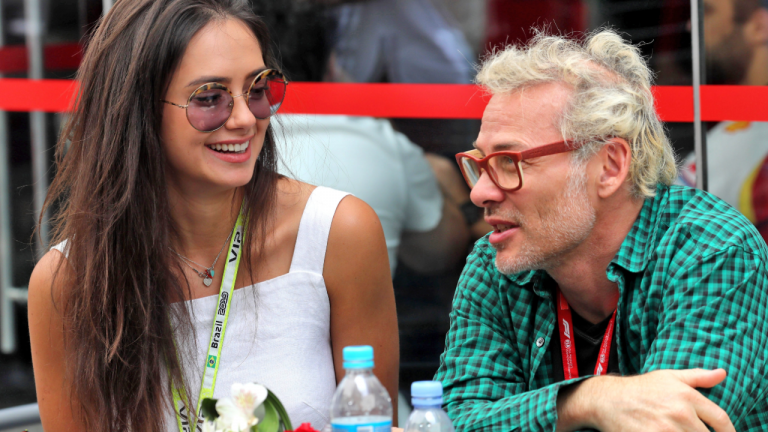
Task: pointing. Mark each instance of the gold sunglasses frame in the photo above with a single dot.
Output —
(211, 85)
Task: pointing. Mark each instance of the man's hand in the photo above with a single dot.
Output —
(664, 400)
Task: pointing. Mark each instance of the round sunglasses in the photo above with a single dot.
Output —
(210, 105)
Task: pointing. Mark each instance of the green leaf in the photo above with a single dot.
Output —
(209, 409)
(281, 412)
(271, 420)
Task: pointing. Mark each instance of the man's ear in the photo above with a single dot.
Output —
(614, 159)
(756, 28)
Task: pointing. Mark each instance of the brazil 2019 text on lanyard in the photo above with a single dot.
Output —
(213, 358)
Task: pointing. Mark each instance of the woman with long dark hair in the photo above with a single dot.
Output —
(168, 196)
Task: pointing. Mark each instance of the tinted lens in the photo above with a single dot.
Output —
(471, 171)
(504, 171)
(266, 95)
(209, 108)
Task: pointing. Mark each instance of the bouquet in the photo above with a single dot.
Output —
(251, 408)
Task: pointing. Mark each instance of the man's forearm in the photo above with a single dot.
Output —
(575, 405)
(534, 410)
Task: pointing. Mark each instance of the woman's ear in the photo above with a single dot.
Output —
(614, 160)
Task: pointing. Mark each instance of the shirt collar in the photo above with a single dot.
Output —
(637, 248)
(533, 280)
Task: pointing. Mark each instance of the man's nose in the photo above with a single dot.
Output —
(485, 192)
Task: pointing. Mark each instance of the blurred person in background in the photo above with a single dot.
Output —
(409, 41)
(472, 18)
(402, 41)
(169, 159)
(736, 44)
(364, 155)
(605, 298)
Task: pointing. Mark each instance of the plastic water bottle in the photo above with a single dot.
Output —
(360, 403)
(427, 415)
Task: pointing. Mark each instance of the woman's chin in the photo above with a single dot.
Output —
(229, 176)
(231, 183)
(219, 183)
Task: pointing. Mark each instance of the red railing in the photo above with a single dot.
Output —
(674, 103)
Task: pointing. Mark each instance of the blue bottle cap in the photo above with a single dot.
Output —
(427, 393)
(358, 357)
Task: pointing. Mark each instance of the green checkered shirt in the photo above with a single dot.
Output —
(693, 294)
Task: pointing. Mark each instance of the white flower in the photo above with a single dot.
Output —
(237, 414)
(231, 417)
(248, 396)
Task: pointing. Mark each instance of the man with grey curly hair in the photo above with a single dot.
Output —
(605, 297)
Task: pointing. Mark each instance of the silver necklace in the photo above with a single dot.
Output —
(207, 274)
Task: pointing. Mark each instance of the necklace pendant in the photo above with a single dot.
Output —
(208, 277)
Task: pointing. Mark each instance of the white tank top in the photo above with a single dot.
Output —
(278, 332)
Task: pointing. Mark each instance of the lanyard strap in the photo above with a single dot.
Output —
(211, 368)
(568, 350)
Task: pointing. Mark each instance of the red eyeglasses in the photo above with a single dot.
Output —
(504, 167)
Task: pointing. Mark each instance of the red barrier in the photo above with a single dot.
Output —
(673, 103)
(36, 95)
(745, 103)
(386, 100)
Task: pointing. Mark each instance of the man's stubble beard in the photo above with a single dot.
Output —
(728, 62)
(564, 224)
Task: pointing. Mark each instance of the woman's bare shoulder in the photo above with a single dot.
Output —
(355, 219)
(49, 278)
(356, 236)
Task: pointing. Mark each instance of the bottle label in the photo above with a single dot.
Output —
(385, 426)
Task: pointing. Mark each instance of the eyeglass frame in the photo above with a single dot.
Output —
(517, 157)
(256, 78)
